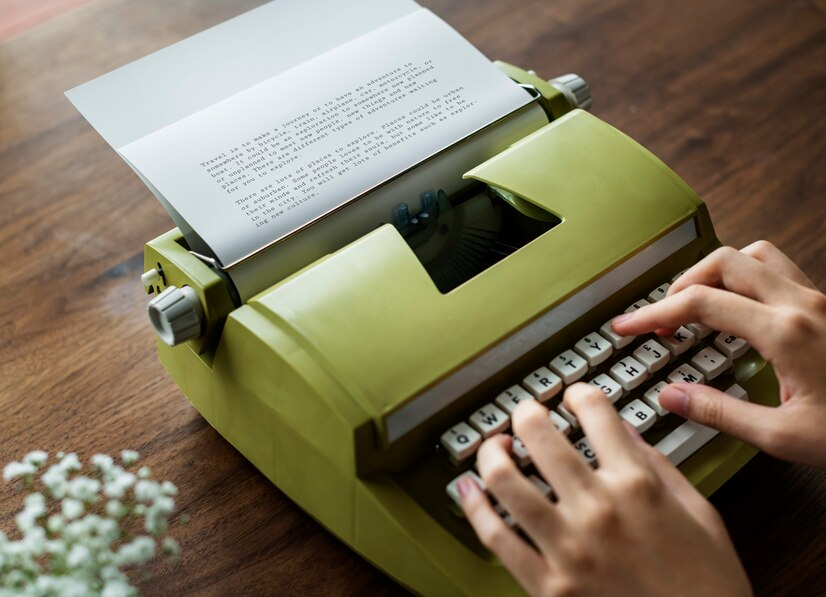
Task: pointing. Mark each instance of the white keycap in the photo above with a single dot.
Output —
(490, 420)
(609, 387)
(568, 416)
(637, 305)
(652, 398)
(543, 384)
(710, 363)
(594, 348)
(520, 453)
(583, 446)
(461, 441)
(629, 372)
(684, 441)
(680, 341)
(685, 373)
(506, 517)
(617, 341)
(730, 345)
(653, 355)
(659, 293)
(540, 484)
(690, 436)
(699, 330)
(638, 415)
(453, 490)
(569, 366)
(737, 391)
(508, 399)
(561, 424)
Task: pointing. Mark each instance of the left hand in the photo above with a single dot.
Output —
(634, 526)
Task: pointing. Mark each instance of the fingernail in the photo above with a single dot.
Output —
(675, 400)
(463, 485)
(622, 318)
(632, 431)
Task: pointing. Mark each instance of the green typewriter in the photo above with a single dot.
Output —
(361, 371)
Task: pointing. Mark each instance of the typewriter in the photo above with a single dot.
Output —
(361, 364)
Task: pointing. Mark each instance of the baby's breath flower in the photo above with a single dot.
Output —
(36, 458)
(84, 489)
(55, 523)
(78, 556)
(117, 588)
(55, 480)
(136, 552)
(72, 508)
(119, 484)
(14, 470)
(116, 509)
(70, 462)
(169, 488)
(102, 462)
(146, 490)
(170, 547)
(70, 547)
(129, 457)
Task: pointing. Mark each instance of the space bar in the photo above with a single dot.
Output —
(685, 440)
(690, 436)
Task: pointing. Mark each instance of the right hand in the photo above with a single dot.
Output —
(758, 294)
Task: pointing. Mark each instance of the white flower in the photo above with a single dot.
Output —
(78, 556)
(169, 488)
(117, 588)
(102, 462)
(18, 469)
(164, 504)
(84, 489)
(155, 521)
(55, 523)
(118, 486)
(146, 490)
(70, 462)
(170, 547)
(115, 509)
(129, 457)
(137, 551)
(144, 472)
(36, 458)
(72, 508)
(55, 479)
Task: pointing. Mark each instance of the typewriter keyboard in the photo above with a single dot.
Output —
(630, 370)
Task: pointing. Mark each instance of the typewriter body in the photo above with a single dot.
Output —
(338, 374)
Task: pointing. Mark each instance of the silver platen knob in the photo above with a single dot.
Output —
(176, 314)
(575, 90)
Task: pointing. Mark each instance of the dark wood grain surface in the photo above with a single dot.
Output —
(730, 94)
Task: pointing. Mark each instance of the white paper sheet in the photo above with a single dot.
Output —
(266, 161)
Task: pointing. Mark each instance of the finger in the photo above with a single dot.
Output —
(752, 423)
(718, 309)
(551, 452)
(735, 271)
(767, 253)
(681, 488)
(529, 507)
(603, 426)
(524, 563)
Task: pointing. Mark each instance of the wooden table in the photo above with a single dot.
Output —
(730, 94)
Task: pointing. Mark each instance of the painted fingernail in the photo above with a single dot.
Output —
(464, 486)
(675, 400)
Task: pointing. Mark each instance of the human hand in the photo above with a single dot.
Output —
(760, 295)
(634, 526)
